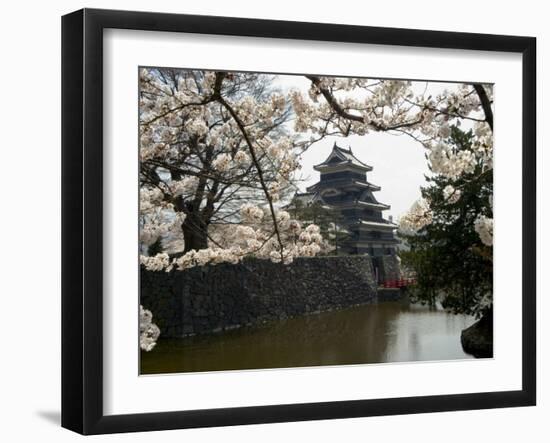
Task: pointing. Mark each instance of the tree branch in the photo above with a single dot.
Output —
(333, 103)
(485, 104)
(220, 99)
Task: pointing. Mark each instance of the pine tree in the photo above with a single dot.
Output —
(451, 263)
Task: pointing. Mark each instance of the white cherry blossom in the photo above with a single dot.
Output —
(484, 227)
(148, 331)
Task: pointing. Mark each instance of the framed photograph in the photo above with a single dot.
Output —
(269, 221)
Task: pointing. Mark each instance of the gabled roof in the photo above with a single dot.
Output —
(380, 206)
(366, 184)
(340, 156)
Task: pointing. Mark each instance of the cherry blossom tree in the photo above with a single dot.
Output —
(193, 151)
(214, 152)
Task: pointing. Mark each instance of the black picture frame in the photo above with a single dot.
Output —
(82, 218)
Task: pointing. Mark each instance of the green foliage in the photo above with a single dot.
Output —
(451, 263)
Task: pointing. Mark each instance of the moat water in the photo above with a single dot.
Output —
(378, 333)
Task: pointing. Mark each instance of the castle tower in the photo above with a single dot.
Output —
(344, 187)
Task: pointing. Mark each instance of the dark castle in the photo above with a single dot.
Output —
(343, 187)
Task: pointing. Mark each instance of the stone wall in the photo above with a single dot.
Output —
(225, 296)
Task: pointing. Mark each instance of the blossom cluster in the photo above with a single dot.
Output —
(157, 262)
(185, 186)
(222, 162)
(450, 194)
(148, 331)
(484, 227)
(157, 217)
(251, 213)
(449, 164)
(253, 239)
(418, 216)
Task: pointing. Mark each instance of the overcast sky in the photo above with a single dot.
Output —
(398, 161)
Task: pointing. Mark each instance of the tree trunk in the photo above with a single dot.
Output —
(477, 340)
(194, 233)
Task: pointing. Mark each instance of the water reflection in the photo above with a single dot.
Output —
(385, 332)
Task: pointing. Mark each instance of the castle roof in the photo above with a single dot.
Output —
(345, 183)
(340, 156)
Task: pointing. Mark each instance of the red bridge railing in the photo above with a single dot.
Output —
(398, 283)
